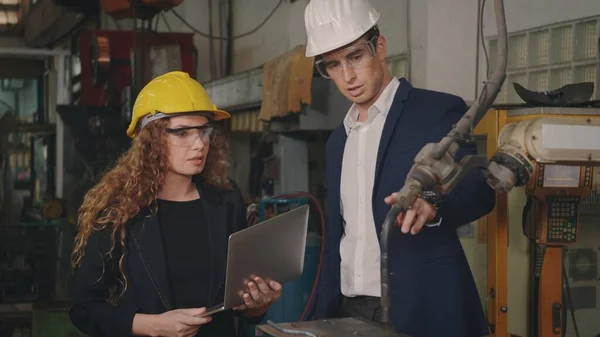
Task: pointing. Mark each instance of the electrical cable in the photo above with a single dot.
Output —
(166, 22)
(156, 23)
(229, 46)
(210, 36)
(569, 301)
(222, 29)
(211, 45)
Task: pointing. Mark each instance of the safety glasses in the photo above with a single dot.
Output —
(355, 57)
(187, 136)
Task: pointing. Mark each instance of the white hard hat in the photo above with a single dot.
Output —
(331, 24)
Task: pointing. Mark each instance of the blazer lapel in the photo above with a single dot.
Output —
(390, 125)
(218, 220)
(334, 168)
(147, 238)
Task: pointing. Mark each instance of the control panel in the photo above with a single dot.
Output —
(562, 219)
(559, 191)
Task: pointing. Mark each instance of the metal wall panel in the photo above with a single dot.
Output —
(237, 92)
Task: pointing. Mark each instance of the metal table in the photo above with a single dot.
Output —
(339, 327)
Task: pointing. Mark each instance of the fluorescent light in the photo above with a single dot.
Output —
(10, 2)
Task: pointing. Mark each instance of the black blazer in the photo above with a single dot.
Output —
(145, 266)
(433, 290)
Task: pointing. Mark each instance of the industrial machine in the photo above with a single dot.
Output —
(113, 66)
(551, 152)
(553, 157)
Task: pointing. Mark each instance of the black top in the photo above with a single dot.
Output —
(187, 250)
(185, 235)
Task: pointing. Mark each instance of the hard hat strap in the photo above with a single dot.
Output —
(159, 115)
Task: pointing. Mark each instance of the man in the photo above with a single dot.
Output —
(368, 158)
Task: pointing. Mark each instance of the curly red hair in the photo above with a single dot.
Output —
(132, 185)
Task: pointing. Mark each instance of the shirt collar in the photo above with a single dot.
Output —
(382, 104)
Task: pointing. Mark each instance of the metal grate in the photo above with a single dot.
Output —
(539, 80)
(560, 77)
(561, 45)
(517, 52)
(539, 47)
(586, 43)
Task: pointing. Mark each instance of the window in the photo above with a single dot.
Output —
(9, 17)
(550, 57)
(397, 65)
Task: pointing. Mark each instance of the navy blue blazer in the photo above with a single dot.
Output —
(433, 290)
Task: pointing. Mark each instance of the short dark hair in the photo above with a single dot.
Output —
(372, 33)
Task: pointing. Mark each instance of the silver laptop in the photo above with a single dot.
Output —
(273, 249)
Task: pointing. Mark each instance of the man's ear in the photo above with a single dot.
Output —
(381, 48)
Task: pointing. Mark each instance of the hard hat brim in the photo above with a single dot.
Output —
(220, 115)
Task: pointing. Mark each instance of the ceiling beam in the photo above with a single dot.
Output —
(48, 22)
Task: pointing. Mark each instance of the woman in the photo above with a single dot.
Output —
(150, 254)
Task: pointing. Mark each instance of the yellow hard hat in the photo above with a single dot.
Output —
(172, 93)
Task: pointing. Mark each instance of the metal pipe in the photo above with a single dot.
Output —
(229, 52)
(19, 51)
(492, 87)
(478, 41)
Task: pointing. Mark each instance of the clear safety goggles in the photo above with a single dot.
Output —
(187, 136)
(356, 57)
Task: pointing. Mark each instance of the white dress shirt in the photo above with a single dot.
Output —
(359, 247)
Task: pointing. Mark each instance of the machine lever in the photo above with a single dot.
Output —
(556, 318)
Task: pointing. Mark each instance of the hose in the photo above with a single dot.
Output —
(386, 231)
(313, 292)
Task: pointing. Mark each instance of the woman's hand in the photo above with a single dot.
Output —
(174, 323)
(261, 294)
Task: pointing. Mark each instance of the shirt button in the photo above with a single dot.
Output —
(361, 200)
(358, 274)
(360, 237)
(360, 164)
